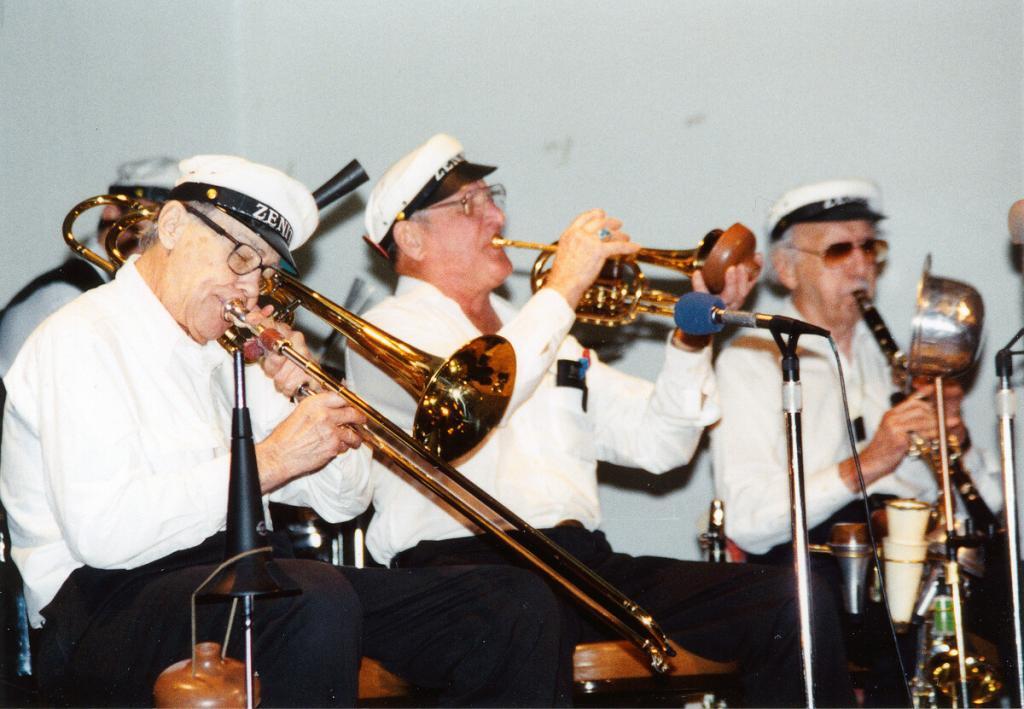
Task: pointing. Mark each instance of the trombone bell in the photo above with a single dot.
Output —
(466, 397)
(459, 399)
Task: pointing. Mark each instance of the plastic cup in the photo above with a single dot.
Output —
(896, 550)
(902, 579)
(907, 519)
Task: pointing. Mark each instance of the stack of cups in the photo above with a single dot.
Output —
(905, 551)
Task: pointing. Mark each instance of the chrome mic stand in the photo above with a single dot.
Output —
(1006, 406)
(792, 405)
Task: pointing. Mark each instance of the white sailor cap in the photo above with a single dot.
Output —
(429, 174)
(829, 201)
(277, 207)
(149, 178)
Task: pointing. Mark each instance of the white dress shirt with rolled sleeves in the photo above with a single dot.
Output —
(541, 461)
(749, 443)
(116, 440)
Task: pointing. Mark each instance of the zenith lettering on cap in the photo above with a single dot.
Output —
(837, 201)
(275, 221)
(448, 166)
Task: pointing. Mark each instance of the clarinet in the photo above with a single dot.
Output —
(981, 516)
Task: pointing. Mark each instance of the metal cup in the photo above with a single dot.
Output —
(848, 544)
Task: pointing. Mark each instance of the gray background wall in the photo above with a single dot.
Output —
(676, 116)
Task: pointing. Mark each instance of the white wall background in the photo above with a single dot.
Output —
(676, 116)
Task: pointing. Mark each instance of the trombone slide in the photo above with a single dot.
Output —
(440, 478)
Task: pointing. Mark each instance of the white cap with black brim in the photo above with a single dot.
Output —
(287, 224)
(829, 201)
(430, 173)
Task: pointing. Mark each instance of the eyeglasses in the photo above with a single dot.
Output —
(244, 258)
(475, 200)
(836, 254)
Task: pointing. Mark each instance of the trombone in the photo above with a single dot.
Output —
(488, 364)
(621, 293)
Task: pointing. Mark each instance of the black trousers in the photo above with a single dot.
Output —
(740, 612)
(483, 637)
(868, 637)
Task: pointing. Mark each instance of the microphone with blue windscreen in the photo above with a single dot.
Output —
(698, 313)
(695, 313)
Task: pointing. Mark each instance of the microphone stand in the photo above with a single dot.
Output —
(792, 405)
(251, 572)
(1006, 406)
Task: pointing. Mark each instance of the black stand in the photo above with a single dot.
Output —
(1006, 406)
(792, 405)
(250, 570)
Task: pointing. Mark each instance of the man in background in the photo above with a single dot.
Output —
(149, 181)
(825, 246)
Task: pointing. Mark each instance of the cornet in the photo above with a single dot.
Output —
(621, 292)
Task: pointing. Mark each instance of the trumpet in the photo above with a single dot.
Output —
(621, 293)
(486, 366)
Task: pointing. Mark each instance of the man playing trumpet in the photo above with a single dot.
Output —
(115, 478)
(434, 217)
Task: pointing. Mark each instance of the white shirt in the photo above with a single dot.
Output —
(116, 440)
(541, 461)
(749, 443)
(20, 320)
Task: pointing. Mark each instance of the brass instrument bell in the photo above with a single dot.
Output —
(947, 326)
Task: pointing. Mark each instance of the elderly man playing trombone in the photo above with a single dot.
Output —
(115, 477)
(434, 217)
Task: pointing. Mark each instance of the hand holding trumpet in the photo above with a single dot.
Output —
(583, 248)
(739, 281)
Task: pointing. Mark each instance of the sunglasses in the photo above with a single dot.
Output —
(837, 254)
